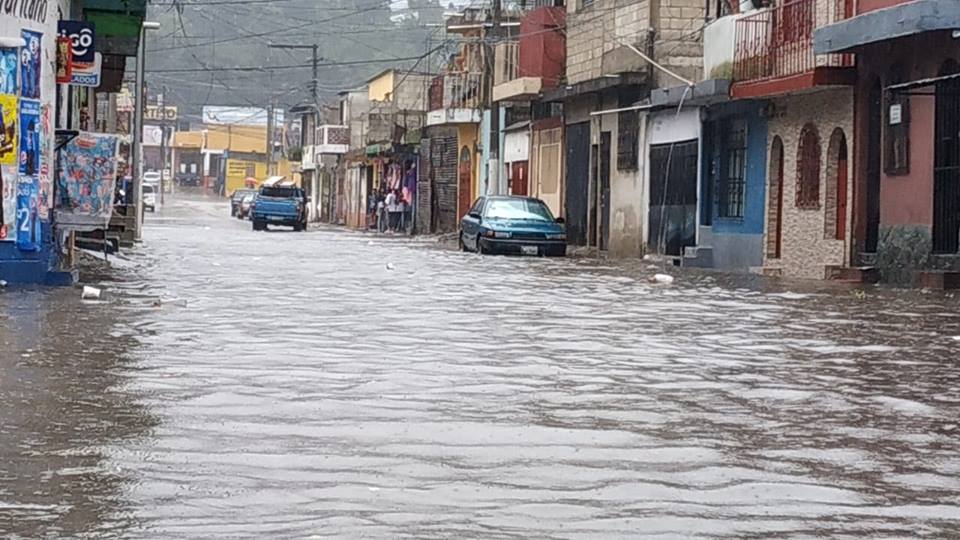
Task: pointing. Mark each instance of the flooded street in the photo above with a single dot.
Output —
(275, 385)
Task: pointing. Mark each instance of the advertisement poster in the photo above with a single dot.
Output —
(28, 219)
(8, 219)
(64, 61)
(86, 181)
(9, 67)
(30, 57)
(29, 137)
(46, 151)
(8, 133)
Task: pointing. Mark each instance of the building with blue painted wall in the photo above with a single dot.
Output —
(733, 187)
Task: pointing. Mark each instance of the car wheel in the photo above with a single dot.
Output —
(303, 227)
(480, 250)
(460, 244)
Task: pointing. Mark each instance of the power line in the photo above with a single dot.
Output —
(283, 67)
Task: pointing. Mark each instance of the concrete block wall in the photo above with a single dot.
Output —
(678, 43)
(599, 29)
(807, 246)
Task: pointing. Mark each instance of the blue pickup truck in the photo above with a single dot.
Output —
(279, 205)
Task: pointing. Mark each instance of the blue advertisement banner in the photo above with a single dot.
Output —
(29, 137)
(30, 62)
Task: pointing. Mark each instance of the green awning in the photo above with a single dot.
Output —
(117, 33)
(374, 149)
(118, 6)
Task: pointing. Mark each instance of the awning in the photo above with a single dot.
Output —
(905, 88)
(894, 22)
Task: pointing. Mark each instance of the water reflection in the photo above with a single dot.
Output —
(304, 387)
(65, 403)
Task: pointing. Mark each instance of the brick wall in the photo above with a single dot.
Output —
(596, 38)
(600, 29)
(678, 42)
(808, 247)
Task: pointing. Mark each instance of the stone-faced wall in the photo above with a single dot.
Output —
(809, 243)
(599, 29)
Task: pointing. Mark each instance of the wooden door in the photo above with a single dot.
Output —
(577, 182)
(518, 178)
(604, 189)
(465, 184)
(841, 231)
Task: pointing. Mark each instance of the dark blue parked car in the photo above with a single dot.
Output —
(515, 225)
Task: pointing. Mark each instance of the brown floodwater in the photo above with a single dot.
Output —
(277, 385)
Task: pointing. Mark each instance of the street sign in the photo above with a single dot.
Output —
(82, 39)
(156, 113)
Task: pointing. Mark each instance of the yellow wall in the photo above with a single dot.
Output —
(239, 169)
(467, 135)
(237, 138)
(381, 87)
(188, 139)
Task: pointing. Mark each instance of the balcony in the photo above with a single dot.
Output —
(774, 49)
(455, 98)
(522, 69)
(333, 139)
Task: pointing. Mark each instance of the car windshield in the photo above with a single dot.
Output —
(525, 209)
(148, 190)
(279, 192)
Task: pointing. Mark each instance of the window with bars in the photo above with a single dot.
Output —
(628, 145)
(808, 168)
(586, 4)
(733, 180)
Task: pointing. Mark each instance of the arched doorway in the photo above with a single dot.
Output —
(465, 184)
(775, 194)
(874, 126)
(946, 163)
(835, 216)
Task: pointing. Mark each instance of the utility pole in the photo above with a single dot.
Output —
(163, 145)
(493, 147)
(270, 137)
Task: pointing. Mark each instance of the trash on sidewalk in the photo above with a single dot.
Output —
(391, 266)
(664, 279)
(90, 293)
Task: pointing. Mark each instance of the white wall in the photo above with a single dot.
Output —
(516, 146)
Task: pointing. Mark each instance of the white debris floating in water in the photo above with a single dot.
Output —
(391, 266)
(90, 293)
(3, 283)
(665, 279)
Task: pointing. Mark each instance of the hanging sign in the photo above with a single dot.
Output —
(64, 61)
(87, 74)
(82, 39)
(158, 113)
(896, 114)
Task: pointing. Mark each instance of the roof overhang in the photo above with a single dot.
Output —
(890, 23)
(704, 93)
(595, 85)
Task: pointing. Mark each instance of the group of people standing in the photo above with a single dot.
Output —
(391, 211)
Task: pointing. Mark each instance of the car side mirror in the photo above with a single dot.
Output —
(561, 221)
(475, 216)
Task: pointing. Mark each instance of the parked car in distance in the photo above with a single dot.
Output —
(150, 197)
(152, 178)
(246, 204)
(279, 204)
(236, 198)
(512, 225)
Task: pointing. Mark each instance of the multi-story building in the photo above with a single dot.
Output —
(906, 150)
(808, 105)
(610, 45)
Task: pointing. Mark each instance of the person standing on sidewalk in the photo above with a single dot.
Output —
(392, 208)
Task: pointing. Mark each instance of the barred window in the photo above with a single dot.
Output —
(628, 144)
(808, 168)
(586, 4)
(734, 174)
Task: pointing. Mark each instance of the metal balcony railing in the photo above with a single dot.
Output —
(456, 91)
(507, 55)
(778, 42)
